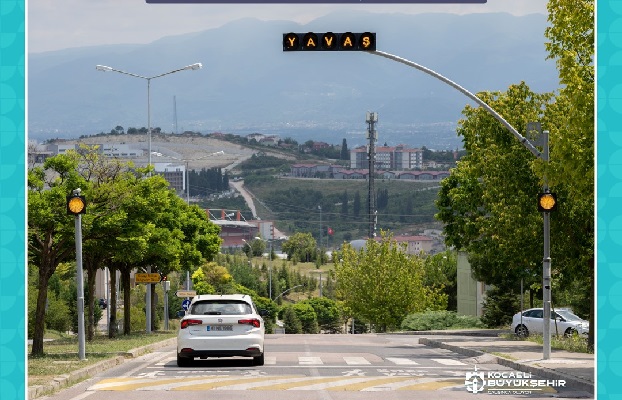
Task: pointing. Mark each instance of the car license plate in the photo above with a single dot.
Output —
(220, 328)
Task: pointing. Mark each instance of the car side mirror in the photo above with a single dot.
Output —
(264, 312)
(181, 314)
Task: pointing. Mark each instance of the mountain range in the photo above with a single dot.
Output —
(248, 84)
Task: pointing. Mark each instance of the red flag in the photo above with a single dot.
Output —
(330, 230)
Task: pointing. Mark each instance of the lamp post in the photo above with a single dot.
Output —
(190, 67)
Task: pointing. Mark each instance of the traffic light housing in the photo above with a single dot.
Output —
(76, 204)
(547, 202)
(329, 41)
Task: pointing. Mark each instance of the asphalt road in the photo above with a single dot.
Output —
(300, 367)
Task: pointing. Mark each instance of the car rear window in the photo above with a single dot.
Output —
(220, 307)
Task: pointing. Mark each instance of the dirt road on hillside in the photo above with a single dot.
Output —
(249, 198)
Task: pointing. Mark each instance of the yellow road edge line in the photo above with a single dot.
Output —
(228, 382)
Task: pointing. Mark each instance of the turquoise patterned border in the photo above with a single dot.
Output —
(608, 197)
(12, 200)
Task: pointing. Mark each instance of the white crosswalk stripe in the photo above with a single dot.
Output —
(447, 361)
(402, 361)
(356, 361)
(310, 361)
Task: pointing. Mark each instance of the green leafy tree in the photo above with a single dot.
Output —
(300, 246)
(307, 317)
(570, 36)
(441, 272)
(327, 312)
(488, 203)
(383, 284)
(51, 233)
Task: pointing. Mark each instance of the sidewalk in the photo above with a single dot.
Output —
(577, 369)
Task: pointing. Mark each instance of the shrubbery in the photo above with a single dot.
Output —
(440, 320)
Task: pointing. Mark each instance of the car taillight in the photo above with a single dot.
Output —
(254, 321)
(187, 322)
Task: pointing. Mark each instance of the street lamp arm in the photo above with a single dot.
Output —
(292, 288)
(473, 97)
(187, 67)
(105, 68)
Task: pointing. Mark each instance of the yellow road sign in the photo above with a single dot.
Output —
(153, 277)
(186, 293)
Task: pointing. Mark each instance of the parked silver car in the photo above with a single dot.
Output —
(563, 322)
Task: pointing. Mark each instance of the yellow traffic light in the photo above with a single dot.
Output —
(76, 205)
(547, 202)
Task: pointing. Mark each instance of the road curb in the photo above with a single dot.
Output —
(543, 372)
(66, 380)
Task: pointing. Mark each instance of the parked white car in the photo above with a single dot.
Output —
(221, 326)
(563, 322)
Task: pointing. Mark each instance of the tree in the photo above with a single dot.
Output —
(571, 44)
(50, 230)
(327, 312)
(344, 205)
(356, 204)
(307, 317)
(441, 272)
(291, 323)
(383, 284)
(300, 246)
(488, 202)
(345, 153)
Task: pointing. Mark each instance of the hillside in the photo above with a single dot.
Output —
(404, 207)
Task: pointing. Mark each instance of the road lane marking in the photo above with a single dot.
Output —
(447, 361)
(402, 361)
(356, 361)
(310, 361)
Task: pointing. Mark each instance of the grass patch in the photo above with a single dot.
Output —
(61, 354)
(440, 320)
(574, 343)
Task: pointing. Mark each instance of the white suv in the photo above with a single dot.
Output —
(221, 326)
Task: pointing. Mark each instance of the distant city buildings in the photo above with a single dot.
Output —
(388, 158)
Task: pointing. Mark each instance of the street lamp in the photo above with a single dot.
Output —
(190, 67)
(105, 68)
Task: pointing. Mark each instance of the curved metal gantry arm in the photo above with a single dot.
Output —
(470, 95)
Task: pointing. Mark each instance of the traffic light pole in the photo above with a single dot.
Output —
(546, 263)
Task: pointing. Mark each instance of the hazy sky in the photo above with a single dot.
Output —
(61, 24)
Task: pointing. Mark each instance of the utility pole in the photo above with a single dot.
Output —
(371, 119)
